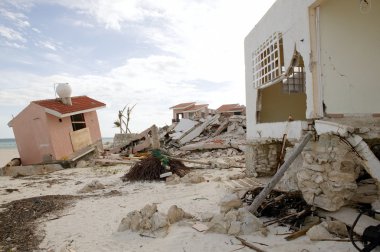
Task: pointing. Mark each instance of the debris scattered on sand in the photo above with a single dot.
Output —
(18, 220)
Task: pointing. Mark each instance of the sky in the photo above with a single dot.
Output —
(154, 54)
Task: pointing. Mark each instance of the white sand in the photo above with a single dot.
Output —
(6, 155)
(91, 223)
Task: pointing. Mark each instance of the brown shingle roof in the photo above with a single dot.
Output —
(79, 103)
(182, 105)
(230, 108)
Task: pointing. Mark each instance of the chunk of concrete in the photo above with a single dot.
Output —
(29, 170)
(229, 202)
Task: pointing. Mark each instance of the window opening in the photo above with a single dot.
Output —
(268, 61)
(78, 121)
(295, 77)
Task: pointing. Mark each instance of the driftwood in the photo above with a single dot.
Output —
(190, 161)
(249, 245)
(276, 178)
(113, 161)
(268, 223)
(301, 232)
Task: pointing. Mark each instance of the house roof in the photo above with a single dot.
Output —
(195, 108)
(80, 104)
(182, 105)
(230, 108)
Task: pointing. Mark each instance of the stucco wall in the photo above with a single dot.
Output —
(92, 123)
(350, 56)
(60, 136)
(31, 134)
(285, 104)
(60, 133)
(291, 18)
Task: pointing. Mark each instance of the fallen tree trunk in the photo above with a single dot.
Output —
(276, 178)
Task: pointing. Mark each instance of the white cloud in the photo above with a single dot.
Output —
(81, 23)
(53, 57)
(47, 44)
(154, 84)
(202, 44)
(17, 17)
(11, 34)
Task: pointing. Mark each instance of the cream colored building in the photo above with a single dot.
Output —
(316, 62)
(312, 59)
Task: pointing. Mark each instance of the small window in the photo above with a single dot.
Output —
(78, 121)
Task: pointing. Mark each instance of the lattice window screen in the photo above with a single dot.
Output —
(267, 63)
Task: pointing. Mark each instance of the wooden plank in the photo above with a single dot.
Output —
(80, 139)
(114, 161)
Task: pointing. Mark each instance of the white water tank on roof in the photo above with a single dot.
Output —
(63, 90)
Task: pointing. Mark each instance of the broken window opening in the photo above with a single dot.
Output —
(268, 61)
(295, 80)
(285, 96)
(78, 122)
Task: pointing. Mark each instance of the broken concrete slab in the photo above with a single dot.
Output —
(29, 170)
(207, 145)
(198, 130)
(182, 128)
(348, 215)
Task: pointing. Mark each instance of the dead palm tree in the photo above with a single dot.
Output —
(120, 123)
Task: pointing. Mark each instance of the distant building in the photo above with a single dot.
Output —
(190, 111)
(56, 129)
(231, 109)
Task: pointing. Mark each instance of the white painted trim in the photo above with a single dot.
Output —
(318, 65)
(59, 115)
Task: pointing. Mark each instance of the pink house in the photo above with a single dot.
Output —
(48, 130)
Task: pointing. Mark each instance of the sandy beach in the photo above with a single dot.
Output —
(6, 155)
(91, 221)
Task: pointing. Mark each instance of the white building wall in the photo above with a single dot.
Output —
(291, 18)
(350, 57)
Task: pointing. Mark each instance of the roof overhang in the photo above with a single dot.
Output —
(184, 107)
(60, 115)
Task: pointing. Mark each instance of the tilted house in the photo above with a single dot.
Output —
(48, 130)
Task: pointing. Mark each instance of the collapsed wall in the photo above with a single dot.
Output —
(336, 169)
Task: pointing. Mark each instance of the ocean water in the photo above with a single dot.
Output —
(10, 143)
(7, 143)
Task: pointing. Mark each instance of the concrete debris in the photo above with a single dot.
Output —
(148, 139)
(29, 170)
(235, 222)
(348, 215)
(319, 232)
(149, 220)
(337, 228)
(93, 186)
(329, 172)
(176, 214)
(230, 201)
